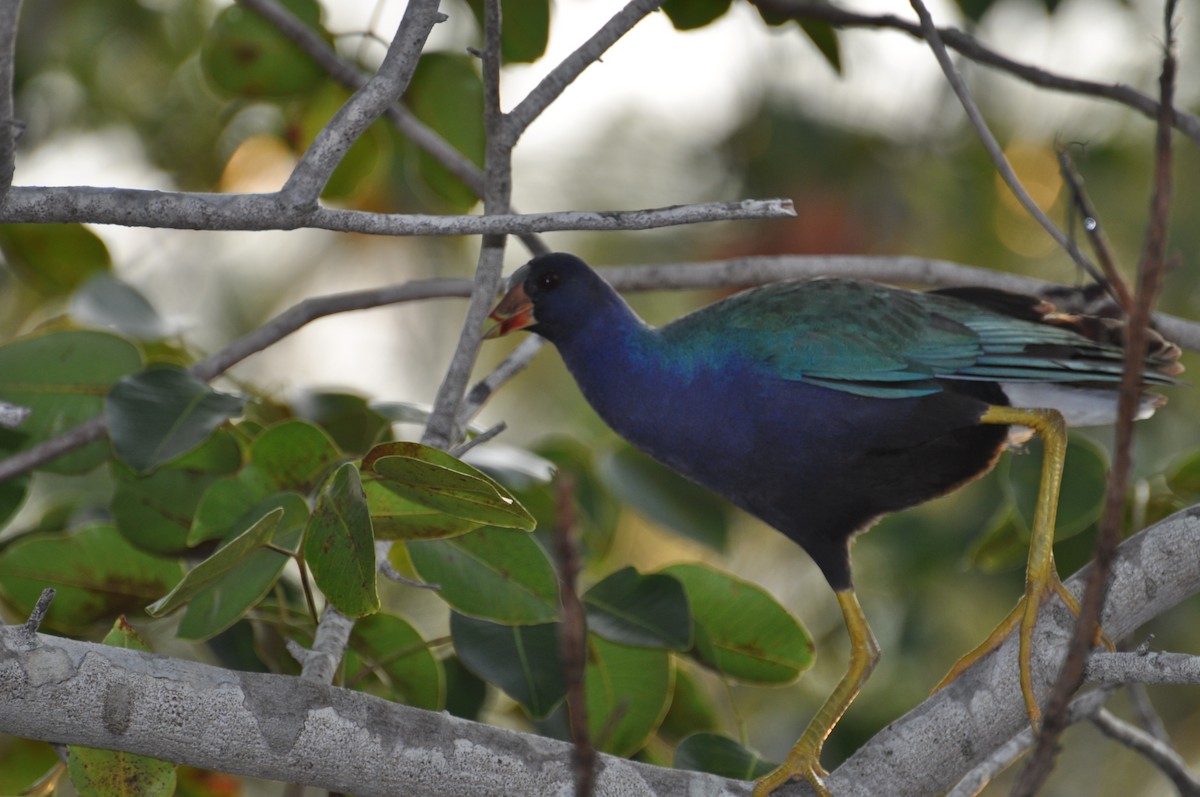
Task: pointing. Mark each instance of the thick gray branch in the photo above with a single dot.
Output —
(291, 729)
(130, 207)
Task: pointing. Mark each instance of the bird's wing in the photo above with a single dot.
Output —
(879, 341)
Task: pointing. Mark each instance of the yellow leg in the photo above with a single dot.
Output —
(804, 759)
(1041, 577)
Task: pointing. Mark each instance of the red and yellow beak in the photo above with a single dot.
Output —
(515, 311)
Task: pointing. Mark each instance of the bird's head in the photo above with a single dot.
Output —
(549, 294)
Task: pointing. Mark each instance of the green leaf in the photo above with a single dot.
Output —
(112, 773)
(347, 418)
(666, 498)
(740, 630)
(466, 692)
(226, 600)
(691, 14)
(435, 479)
(63, 378)
(1083, 485)
(649, 611)
(1183, 477)
(397, 518)
(522, 660)
(825, 37)
(163, 412)
(446, 93)
(231, 505)
(294, 455)
(491, 573)
(598, 510)
(246, 55)
(96, 572)
(525, 28)
(107, 302)
(692, 708)
(718, 755)
(388, 658)
(53, 259)
(628, 691)
(123, 635)
(155, 512)
(339, 546)
(219, 564)
(1004, 546)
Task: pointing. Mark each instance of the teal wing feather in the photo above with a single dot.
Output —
(875, 340)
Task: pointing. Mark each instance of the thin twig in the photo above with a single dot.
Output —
(992, 146)
(329, 644)
(442, 431)
(389, 571)
(303, 188)
(1082, 707)
(1094, 229)
(572, 641)
(510, 366)
(1150, 276)
(39, 610)
(517, 120)
(976, 51)
(1143, 668)
(478, 439)
(1143, 710)
(1161, 755)
(133, 207)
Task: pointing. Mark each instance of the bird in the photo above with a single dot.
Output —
(820, 405)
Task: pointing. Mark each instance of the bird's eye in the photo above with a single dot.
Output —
(548, 280)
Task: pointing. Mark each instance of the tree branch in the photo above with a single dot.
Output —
(1161, 755)
(303, 188)
(129, 207)
(972, 48)
(992, 146)
(287, 728)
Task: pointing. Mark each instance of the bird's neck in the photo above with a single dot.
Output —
(636, 378)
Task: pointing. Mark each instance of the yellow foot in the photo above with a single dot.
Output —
(1024, 616)
(801, 763)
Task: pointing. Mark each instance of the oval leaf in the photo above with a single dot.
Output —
(495, 574)
(437, 480)
(628, 691)
(96, 572)
(387, 657)
(163, 412)
(647, 611)
(155, 512)
(108, 303)
(246, 55)
(219, 564)
(53, 259)
(1083, 485)
(396, 518)
(339, 546)
(740, 630)
(112, 773)
(666, 498)
(63, 378)
(522, 660)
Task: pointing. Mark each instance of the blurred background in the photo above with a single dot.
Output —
(871, 146)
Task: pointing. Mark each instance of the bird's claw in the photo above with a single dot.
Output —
(1024, 618)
